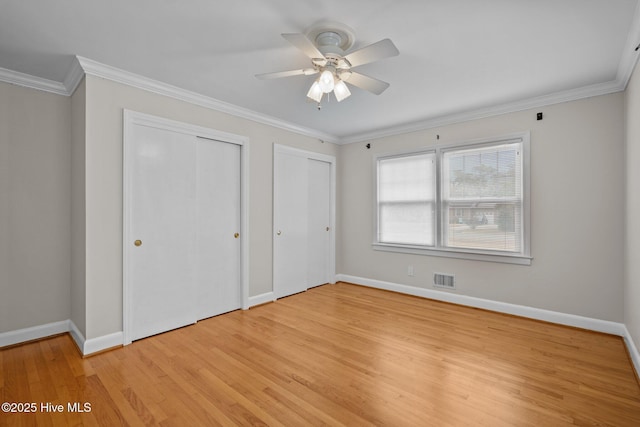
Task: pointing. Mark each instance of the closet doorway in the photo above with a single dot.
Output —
(304, 220)
(183, 225)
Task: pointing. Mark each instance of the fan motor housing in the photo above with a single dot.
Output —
(331, 37)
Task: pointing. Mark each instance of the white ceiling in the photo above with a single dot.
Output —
(458, 58)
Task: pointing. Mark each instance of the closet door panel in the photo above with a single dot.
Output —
(162, 228)
(290, 232)
(218, 223)
(319, 212)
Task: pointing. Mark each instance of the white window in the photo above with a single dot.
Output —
(469, 200)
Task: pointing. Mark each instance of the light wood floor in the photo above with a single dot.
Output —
(336, 355)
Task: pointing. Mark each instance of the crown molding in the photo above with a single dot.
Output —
(97, 69)
(27, 80)
(629, 53)
(120, 76)
(82, 66)
(74, 76)
(495, 110)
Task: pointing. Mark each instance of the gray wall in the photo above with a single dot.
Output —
(577, 199)
(35, 215)
(632, 218)
(78, 211)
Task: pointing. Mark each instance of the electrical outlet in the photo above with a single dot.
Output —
(410, 271)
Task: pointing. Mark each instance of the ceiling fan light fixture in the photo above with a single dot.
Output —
(326, 81)
(315, 92)
(327, 45)
(341, 91)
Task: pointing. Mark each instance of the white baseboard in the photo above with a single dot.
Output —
(86, 346)
(261, 299)
(104, 342)
(633, 350)
(33, 333)
(598, 325)
(77, 336)
(94, 345)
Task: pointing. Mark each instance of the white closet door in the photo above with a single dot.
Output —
(319, 212)
(303, 214)
(290, 224)
(218, 220)
(162, 230)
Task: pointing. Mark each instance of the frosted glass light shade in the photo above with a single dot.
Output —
(326, 81)
(341, 91)
(315, 92)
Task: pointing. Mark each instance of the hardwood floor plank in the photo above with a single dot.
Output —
(291, 385)
(137, 404)
(336, 355)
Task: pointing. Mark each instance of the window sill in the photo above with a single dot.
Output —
(451, 253)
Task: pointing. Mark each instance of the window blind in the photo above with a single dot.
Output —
(406, 199)
(482, 197)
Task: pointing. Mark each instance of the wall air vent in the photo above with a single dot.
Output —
(446, 281)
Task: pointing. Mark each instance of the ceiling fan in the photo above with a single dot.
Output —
(326, 45)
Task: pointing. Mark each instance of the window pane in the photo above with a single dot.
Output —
(406, 197)
(489, 172)
(488, 226)
(482, 198)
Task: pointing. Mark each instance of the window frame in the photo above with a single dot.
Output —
(521, 258)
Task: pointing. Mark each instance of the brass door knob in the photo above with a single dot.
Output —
(236, 235)
(138, 243)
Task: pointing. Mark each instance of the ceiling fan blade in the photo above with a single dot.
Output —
(306, 46)
(279, 74)
(367, 83)
(374, 52)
